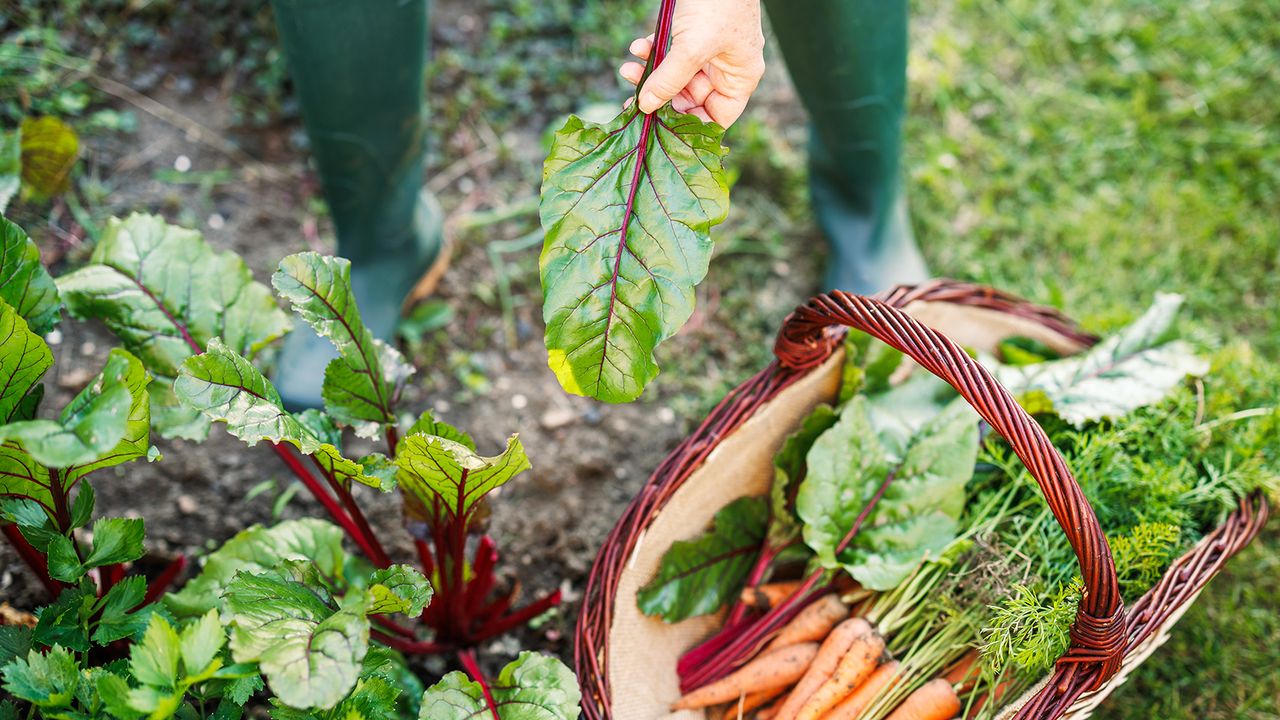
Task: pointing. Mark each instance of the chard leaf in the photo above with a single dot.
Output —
(46, 680)
(310, 653)
(165, 293)
(10, 166)
(399, 589)
(450, 476)
(702, 575)
(532, 687)
(227, 388)
(789, 470)
(136, 442)
(91, 427)
(24, 283)
(919, 512)
(360, 385)
(49, 151)
(426, 424)
(256, 550)
(1131, 369)
(627, 208)
(24, 358)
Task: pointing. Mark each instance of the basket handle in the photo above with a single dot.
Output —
(1099, 633)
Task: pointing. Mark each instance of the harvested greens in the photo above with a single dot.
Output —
(909, 565)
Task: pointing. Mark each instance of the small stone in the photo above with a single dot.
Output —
(216, 221)
(182, 163)
(556, 418)
(88, 347)
(54, 337)
(519, 402)
(442, 407)
(666, 416)
(187, 505)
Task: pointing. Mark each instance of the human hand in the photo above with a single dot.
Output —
(715, 62)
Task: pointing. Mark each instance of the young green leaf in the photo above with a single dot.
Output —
(200, 643)
(1130, 369)
(115, 540)
(399, 589)
(702, 575)
(789, 470)
(24, 283)
(166, 293)
(118, 620)
(531, 687)
(310, 653)
(919, 511)
(154, 661)
(445, 474)
(65, 621)
(46, 680)
(227, 388)
(259, 549)
(15, 641)
(627, 208)
(24, 358)
(360, 385)
(85, 430)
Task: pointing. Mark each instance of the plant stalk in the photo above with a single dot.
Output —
(468, 658)
(32, 558)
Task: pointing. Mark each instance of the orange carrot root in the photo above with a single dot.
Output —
(769, 595)
(777, 669)
(813, 623)
(963, 672)
(828, 658)
(853, 706)
(750, 702)
(855, 667)
(935, 700)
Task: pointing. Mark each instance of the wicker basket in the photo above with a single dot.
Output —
(626, 662)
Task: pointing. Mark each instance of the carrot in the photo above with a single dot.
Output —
(935, 700)
(855, 667)
(769, 595)
(829, 655)
(775, 669)
(964, 671)
(812, 624)
(852, 707)
(739, 708)
(769, 712)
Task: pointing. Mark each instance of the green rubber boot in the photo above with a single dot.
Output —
(848, 60)
(358, 71)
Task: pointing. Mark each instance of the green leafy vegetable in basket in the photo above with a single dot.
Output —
(955, 555)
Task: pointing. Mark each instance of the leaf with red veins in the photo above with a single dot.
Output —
(627, 208)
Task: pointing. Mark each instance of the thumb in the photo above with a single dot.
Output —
(668, 79)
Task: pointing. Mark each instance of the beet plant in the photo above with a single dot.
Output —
(627, 207)
(287, 607)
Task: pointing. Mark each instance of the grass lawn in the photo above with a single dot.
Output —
(1090, 154)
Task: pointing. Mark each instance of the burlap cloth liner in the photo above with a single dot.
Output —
(643, 651)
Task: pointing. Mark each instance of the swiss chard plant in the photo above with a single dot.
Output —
(326, 629)
(627, 207)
